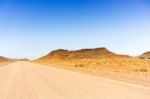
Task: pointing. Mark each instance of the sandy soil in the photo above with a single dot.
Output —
(26, 80)
(129, 70)
(4, 63)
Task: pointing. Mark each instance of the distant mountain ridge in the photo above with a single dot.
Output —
(4, 59)
(96, 53)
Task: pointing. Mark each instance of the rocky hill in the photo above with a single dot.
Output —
(97, 53)
(145, 55)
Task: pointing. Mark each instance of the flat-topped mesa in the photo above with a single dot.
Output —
(94, 49)
(96, 53)
(145, 55)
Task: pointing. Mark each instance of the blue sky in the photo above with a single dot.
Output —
(33, 28)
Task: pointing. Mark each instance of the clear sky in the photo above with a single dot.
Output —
(33, 28)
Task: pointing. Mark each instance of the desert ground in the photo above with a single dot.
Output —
(82, 74)
(130, 70)
(4, 63)
(27, 80)
(103, 63)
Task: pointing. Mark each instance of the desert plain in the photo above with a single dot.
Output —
(103, 63)
(79, 74)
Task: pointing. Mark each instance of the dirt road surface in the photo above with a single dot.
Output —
(26, 80)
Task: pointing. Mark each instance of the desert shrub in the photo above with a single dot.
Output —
(141, 70)
(79, 65)
(76, 65)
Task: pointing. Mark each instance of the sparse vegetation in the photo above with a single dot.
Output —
(80, 65)
(141, 70)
